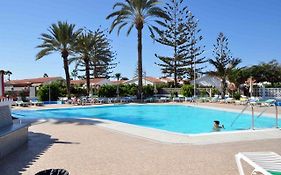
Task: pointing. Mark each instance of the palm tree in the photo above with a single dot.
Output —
(223, 61)
(74, 74)
(83, 47)
(61, 38)
(118, 76)
(8, 73)
(137, 13)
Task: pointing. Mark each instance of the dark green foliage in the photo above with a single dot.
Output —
(124, 89)
(223, 61)
(270, 72)
(148, 91)
(107, 91)
(57, 90)
(236, 95)
(187, 90)
(239, 75)
(263, 72)
(128, 90)
(215, 91)
(203, 93)
(180, 34)
(78, 91)
(23, 95)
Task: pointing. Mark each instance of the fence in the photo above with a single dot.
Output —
(267, 92)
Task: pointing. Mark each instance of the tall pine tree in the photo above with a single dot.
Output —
(193, 50)
(181, 34)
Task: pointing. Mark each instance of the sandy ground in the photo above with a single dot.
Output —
(83, 148)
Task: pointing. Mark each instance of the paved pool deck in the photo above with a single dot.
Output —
(84, 148)
(92, 147)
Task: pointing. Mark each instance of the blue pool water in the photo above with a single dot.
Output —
(175, 118)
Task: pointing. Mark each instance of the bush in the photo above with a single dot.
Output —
(124, 90)
(107, 91)
(78, 91)
(236, 95)
(148, 91)
(56, 88)
(203, 93)
(23, 95)
(128, 90)
(215, 91)
(187, 90)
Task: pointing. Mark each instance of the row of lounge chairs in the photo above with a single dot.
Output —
(102, 100)
(242, 101)
(22, 103)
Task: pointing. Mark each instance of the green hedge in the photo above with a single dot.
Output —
(57, 89)
(124, 90)
(187, 90)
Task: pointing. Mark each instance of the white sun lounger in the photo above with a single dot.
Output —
(267, 163)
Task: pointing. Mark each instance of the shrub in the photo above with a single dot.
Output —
(128, 90)
(215, 91)
(187, 90)
(148, 91)
(236, 95)
(107, 91)
(57, 89)
(78, 91)
(203, 93)
(23, 95)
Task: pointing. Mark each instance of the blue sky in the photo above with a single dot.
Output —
(253, 28)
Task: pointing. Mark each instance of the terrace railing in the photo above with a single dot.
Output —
(267, 92)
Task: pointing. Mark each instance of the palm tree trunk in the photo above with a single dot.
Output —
(139, 95)
(87, 72)
(67, 76)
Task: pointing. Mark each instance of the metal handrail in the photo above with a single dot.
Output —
(239, 115)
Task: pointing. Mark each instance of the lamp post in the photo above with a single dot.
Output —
(194, 83)
(49, 93)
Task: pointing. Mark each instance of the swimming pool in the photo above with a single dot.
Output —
(174, 118)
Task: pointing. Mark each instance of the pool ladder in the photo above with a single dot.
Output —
(258, 116)
(236, 118)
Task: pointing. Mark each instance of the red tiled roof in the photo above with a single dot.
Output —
(153, 79)
(92, 81)
(32, 81)
(167, 79)
(118, 82)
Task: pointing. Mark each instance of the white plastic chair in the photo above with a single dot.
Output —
(267, 163)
